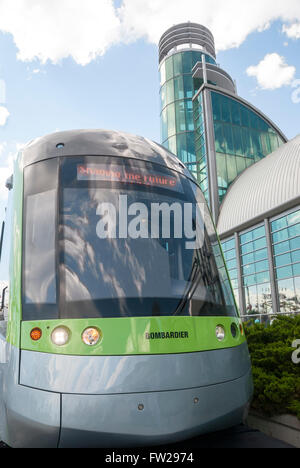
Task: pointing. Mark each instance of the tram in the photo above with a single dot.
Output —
(121, 328)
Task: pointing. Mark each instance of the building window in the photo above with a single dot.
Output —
(241, 138)
(176, 93)
(229, 251)
(255, 271)
(286, 250)
(200, 169)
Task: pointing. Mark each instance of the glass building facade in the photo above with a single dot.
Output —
(230, 255)
(286, 250)
(255, 271)
(199, 168)
(242, 137)
(219, 135)
(203, 121)
(176, 94)
(254, 268)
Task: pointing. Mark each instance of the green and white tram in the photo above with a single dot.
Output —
(120, 329)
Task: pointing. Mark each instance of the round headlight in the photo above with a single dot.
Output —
(60, 336)
(220, 333)
(91, 336)
(36, 334)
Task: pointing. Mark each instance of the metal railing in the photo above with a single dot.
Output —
(268, 318)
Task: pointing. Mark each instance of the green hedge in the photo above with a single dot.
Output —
(276, 377)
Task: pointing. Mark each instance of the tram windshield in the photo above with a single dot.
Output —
(132, 239)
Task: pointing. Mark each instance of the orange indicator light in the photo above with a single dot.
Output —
(36, 334)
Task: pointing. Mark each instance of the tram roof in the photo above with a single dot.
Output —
(99, 143)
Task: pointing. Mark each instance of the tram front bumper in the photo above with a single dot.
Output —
(40, 419)
(123, 401)
(132, 420)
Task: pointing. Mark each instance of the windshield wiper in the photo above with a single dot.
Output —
(194, 279)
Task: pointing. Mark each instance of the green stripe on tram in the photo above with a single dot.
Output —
(135, 336)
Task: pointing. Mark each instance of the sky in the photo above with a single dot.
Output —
(70, 64)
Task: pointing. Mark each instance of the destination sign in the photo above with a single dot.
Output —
(122, 174)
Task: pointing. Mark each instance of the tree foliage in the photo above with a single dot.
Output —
(276, 377)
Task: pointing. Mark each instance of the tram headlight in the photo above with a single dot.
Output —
(60, 336)
(91, 336)
(220, 333)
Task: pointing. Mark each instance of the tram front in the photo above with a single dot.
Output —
(129, 334)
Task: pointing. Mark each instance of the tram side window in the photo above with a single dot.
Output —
(5, 244)
(40, 248)
(39, 265)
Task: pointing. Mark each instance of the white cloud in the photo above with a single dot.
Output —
(4, 114)
(292, 31)
(272, 72)
(52, 30)
(20, 146)
(84, 29)
(230, 21)
(34, 72)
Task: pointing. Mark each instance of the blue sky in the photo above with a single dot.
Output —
(112, 82)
